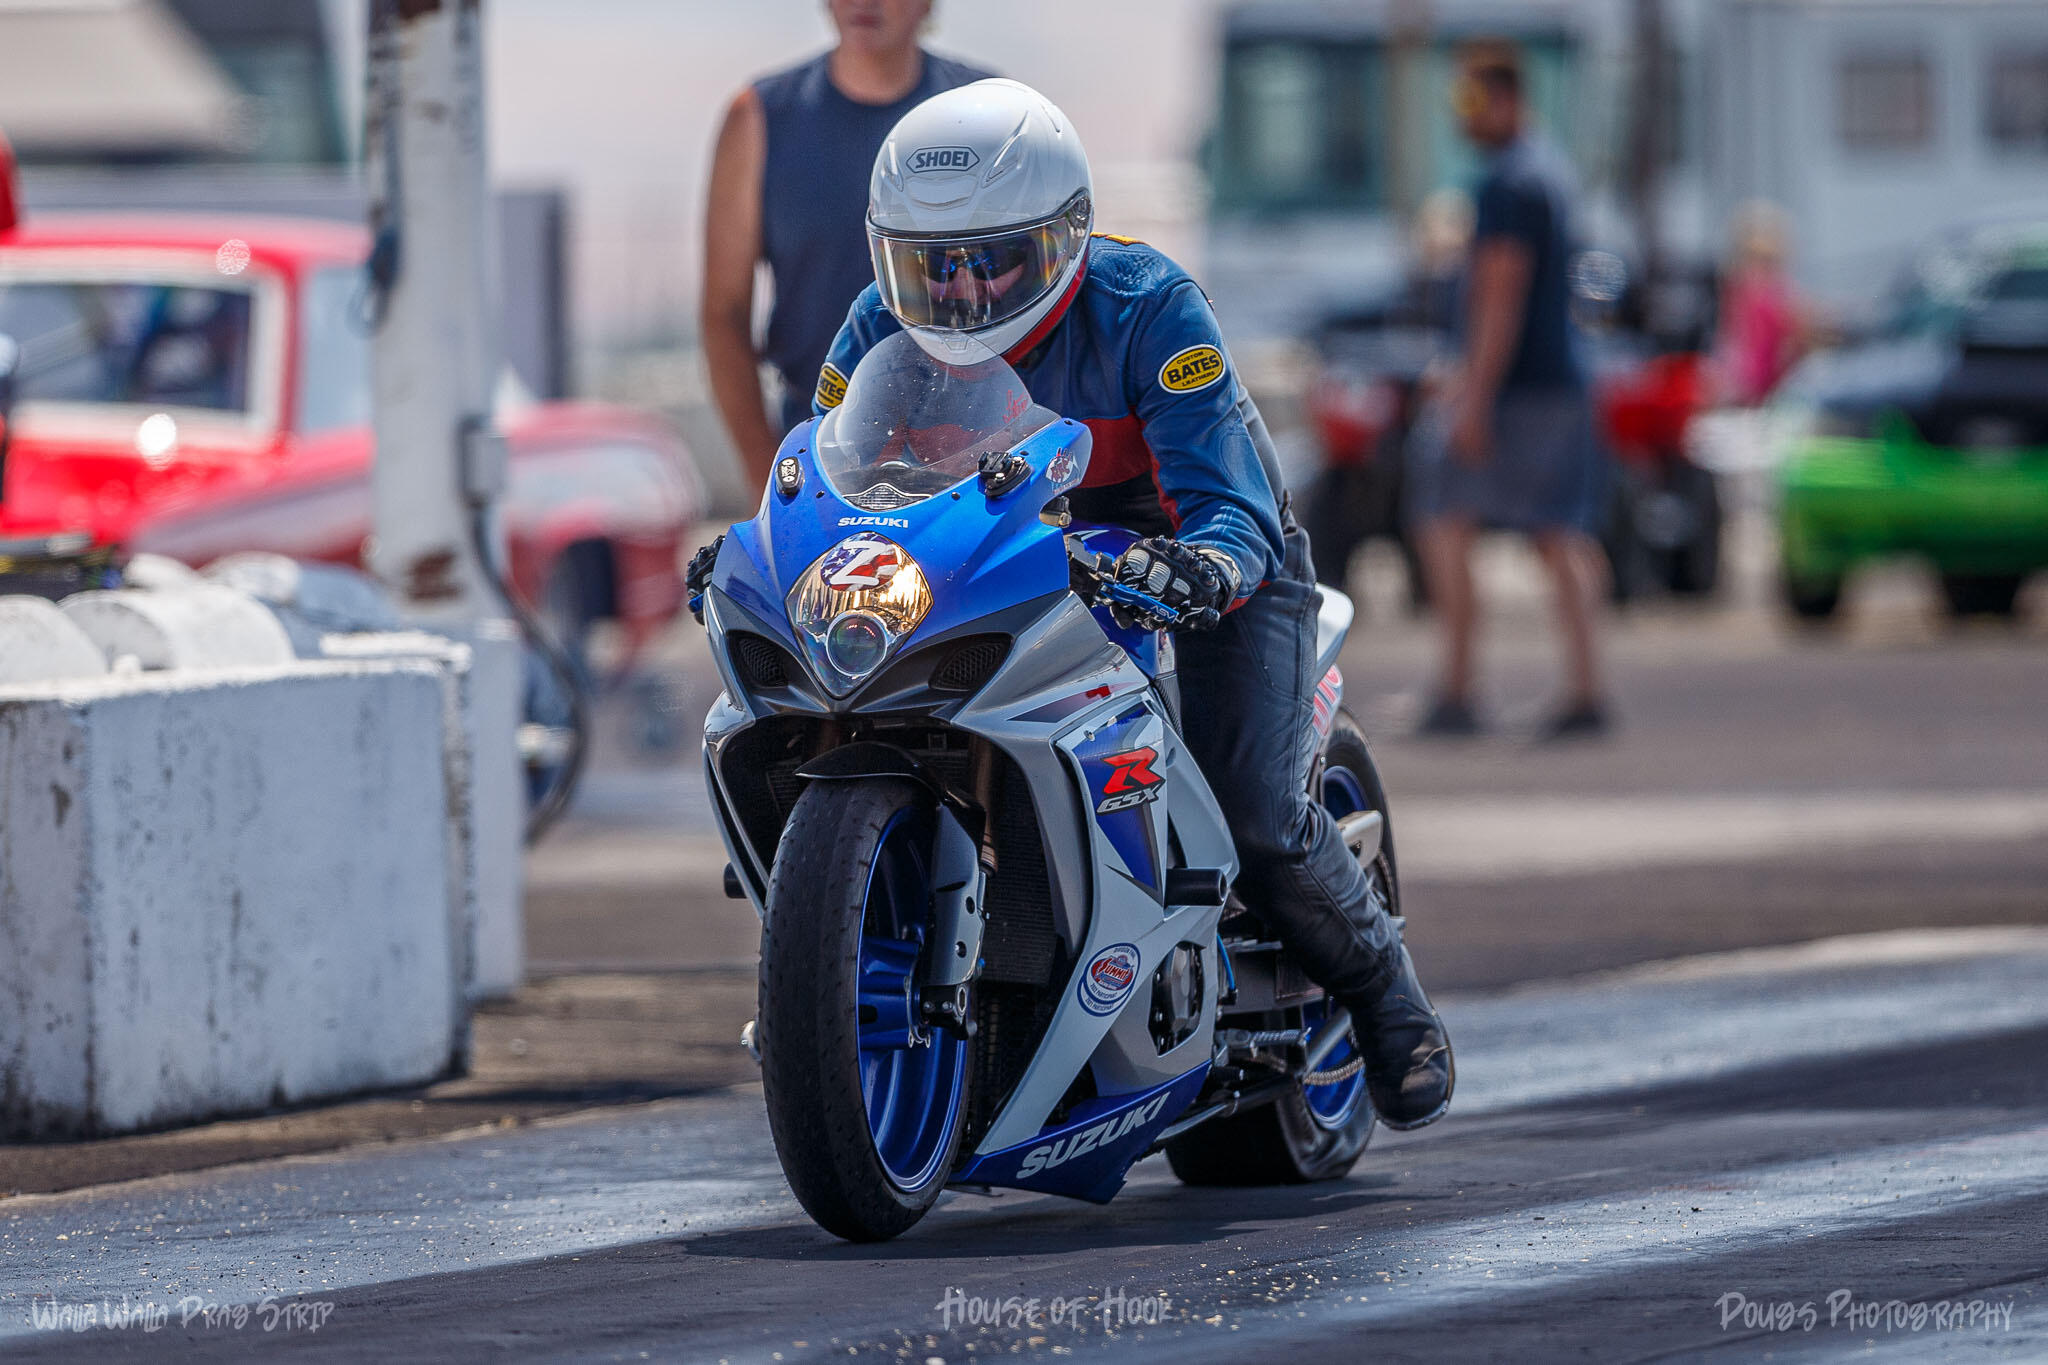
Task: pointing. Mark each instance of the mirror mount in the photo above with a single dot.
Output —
(1002, 471)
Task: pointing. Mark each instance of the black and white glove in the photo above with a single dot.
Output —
(698, 576)
(1197, 583)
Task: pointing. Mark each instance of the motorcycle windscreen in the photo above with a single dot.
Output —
(921, 410)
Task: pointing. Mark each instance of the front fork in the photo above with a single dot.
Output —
(899, 1002)
(960, 875)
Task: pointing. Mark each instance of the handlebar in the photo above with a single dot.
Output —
(1094, 581)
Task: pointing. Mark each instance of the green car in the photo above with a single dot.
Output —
(1931, 437)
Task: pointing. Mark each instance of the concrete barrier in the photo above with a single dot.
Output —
(223, 892)
(39, 642)
(158, 573)
(198, 625)
(311, 600)
(488, 785)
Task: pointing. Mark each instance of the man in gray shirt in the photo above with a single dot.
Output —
(1514, 446)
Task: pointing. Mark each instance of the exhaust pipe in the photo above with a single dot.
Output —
(1236, 1102)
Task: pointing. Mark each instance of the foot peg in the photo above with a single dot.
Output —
(750, 1041)
(1197, 886)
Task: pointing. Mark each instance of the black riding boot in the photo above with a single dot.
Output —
(1408, 1068)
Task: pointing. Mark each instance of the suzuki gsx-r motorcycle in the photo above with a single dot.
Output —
(998, 945)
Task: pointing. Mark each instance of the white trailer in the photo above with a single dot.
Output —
(1876, 123)
(1873, 123)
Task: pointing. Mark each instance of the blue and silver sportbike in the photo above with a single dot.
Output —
(998, 941)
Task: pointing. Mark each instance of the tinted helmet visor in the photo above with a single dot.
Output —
(964, 283)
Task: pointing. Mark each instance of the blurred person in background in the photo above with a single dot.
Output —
(1439, 241)
(1512, 444)
(789, 186)
(1359, 492)
(1763, 331)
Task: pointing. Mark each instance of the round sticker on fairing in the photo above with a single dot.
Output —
(1108, 978)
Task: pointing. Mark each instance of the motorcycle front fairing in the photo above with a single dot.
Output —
(1115, 795)
(994, 568)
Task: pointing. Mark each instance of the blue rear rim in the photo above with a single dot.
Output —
(1336, 1104)
(912, 1078)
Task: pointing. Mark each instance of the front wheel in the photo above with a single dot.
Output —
(1317, 1131)
(864, 1101)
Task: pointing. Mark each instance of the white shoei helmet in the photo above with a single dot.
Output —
(979, 211)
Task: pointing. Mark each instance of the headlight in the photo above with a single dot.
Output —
(856, 643)
(854, 606)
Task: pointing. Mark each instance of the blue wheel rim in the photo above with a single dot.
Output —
(1335, 1104)
(912, 1078)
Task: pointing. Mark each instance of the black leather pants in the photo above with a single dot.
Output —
(1247, 688)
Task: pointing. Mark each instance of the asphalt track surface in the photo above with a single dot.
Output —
(1640, 1166)
(1773, 1154)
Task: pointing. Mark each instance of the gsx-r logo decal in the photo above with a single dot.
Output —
(861, 561)
(1108, 978)
(1131, 780)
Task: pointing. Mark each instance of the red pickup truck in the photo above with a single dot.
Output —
(197, 386)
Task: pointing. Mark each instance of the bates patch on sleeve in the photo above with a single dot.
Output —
(831, 387)
(1195, 368)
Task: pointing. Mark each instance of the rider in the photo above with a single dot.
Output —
(979, 216)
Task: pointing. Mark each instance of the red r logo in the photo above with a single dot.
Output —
(1131, 771)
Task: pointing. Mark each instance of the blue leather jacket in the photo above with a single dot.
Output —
(1179, 449)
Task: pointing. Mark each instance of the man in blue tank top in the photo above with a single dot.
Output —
(789, 186)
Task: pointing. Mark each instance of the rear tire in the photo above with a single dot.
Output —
(867, 1135)
(1992, 594)
(1629, 570)
(1315, 1133)
(1696, 565)
(1813, 599)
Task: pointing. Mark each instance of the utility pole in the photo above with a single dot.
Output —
(1409, 24)
(434, 359)
(1648, 120)
(440, 468)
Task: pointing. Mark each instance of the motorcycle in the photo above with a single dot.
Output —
(999, 944)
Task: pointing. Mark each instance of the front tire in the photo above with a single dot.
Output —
(865, 1105)
(1313, 1132)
